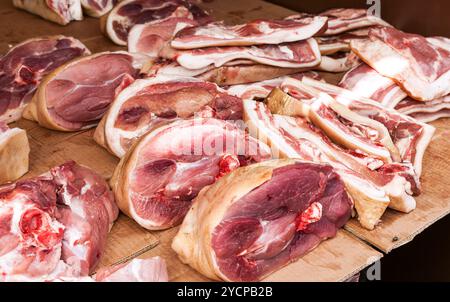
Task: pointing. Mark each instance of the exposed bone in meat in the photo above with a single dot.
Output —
(23, 67)
(59, 11)
(259, 218)
(419, 65)
(410, 136)
(159, 177)
(54, 225)
(253, 33)
(130, 12)
(149, 102)
(76, 95)
(98, 8)
(301, 54)
(14, 151)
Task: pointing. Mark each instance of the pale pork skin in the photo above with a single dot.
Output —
(259, 218)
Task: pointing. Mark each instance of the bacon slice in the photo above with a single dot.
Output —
(344, 19)
(425, 111)
(295, 138)
(58, 11)
(419, 65)
(156, 181)
(149, 102)
(253, 33)
(14, 153)
(367, 82)
(410, 136)
(302, 54)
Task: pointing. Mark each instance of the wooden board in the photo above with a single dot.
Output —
(334, 260)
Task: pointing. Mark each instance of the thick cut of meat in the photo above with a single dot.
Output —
(301, 54)
(398, 180)
(98, 8)
(14, 152)
(253, 33)
(137, 270)
(425, 111)
(410, 136)
(161, 174)
(232, 73)
(344, 19)
(260, 90)
(54, 225)
(59, 11)
(291, 137)
(338, 62)
(419, 65)
(260, 218)
(23, 67)
(367, 82)
(76, 95)
(130, 12)
(153, 37)
(152, 101)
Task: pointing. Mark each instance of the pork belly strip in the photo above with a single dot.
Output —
(252, 33)
(260, 218)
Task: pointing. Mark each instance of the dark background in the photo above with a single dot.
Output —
(427, 257)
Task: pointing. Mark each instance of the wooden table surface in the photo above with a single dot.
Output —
(334, 260)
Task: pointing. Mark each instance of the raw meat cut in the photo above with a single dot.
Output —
(398, 180)
(14, 152)
(149, 102)
(153, 37)
(130, 12)
(23, 67)
(338, 62)
(420, 66)
(59, 11)
(260, 218)
(366, 82)
(253, 33)
(291, 137)
(54, 225)
(158, 178)
(76, 95)
(137, 270)
(260, 90)
(232, 73)
(410, 136)
(344, 19)
(425, 111)
(333, 44)
(98, 8)
(301, 54)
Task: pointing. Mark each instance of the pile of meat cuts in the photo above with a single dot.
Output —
(229, 130)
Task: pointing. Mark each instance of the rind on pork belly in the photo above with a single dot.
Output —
(260, 218)
(14, 153)
(165, 169)
(148, 102)
(76, 95)
(58, 11)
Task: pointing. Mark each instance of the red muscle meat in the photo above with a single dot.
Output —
(24, 66)
(54, 225)
(76, 95)
(159, 177)
(130, 12)
(259, 218)
(97, 8)
(149, 102)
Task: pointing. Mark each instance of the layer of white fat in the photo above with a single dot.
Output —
(113, 136)
(8, 134)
